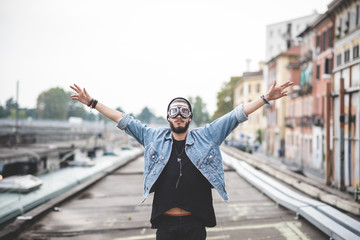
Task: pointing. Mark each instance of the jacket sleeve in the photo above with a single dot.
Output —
(220, 128)
(133, 127)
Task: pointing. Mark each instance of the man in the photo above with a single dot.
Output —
(182, 165)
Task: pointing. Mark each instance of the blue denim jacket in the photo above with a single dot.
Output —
(202, 146)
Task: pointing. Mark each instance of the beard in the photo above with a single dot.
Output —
(179, 129)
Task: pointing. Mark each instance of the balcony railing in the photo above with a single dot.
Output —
(318, 120)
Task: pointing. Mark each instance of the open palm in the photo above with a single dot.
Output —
(81, 95)
(276, 92)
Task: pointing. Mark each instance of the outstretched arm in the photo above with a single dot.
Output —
(274, 93)
(84, 97)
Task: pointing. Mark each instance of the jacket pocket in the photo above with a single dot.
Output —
(212, 158)
(151, 157)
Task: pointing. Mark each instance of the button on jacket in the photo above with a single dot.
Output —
(202, 147)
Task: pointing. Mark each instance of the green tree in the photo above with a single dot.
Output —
(76, 109)
(146, 116)
(21, 114)
(31, 113)
(53, 104)
(9, 106)
(2, 112)
(200, 114)
(225, 98)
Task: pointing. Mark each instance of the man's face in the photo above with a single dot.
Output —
(179, 124)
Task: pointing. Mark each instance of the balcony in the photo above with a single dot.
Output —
(306, 121)
(289, 122)
(318, 120)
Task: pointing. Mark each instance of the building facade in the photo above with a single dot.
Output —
(345, 94)
(278, 70)
(247, 89)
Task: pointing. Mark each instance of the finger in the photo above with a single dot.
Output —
(73, 88)
(284, 85)
(274, 84)
(77, 87)
(86, 93)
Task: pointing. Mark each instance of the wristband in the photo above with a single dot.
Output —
(94, 104)
(266, 101)
(91, 102)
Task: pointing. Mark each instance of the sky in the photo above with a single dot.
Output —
(135, 53)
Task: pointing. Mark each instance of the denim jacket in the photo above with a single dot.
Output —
(202, 146)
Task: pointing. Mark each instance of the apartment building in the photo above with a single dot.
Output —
(248, 88)
(345, 94)
(279, 38)
(278, 70)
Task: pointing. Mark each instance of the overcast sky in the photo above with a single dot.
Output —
(135, 53)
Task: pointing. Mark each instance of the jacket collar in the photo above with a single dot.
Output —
(189, 137)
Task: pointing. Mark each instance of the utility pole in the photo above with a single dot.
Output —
(17, 116)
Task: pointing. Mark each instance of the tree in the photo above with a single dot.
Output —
(31, 113)
(53, 104)
(2, 112)
(225, 98)
(200, 114)
(146, 116)
(21, 114)
(76, 109)
(9, 106)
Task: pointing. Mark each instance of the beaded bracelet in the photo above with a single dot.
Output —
(266, 101)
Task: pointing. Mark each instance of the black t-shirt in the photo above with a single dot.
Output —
(193, 192)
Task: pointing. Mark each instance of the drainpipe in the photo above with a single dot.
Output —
(342, 138)
(327, 135)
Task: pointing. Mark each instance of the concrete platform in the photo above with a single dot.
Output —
(112, 209)
(57, 183)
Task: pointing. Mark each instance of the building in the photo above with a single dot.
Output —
(345, 116)
(248, 88)
(305, 115)
(278, 70)
(280, 37)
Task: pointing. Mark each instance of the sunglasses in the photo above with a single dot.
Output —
(183, 111)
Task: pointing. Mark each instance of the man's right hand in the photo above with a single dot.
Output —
(81, 95)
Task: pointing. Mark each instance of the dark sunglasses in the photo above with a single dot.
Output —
(175, 111)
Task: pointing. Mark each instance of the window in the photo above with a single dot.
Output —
(258, 87)
(330, 37)
(317, 41)
(339, 29)
(357, 15)
(318, 72)
(328, 66)
(347, 56)
(323, 45)
(338, 60)
(249, 88)
(347, 24)
(356, 51)
(288, 28)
